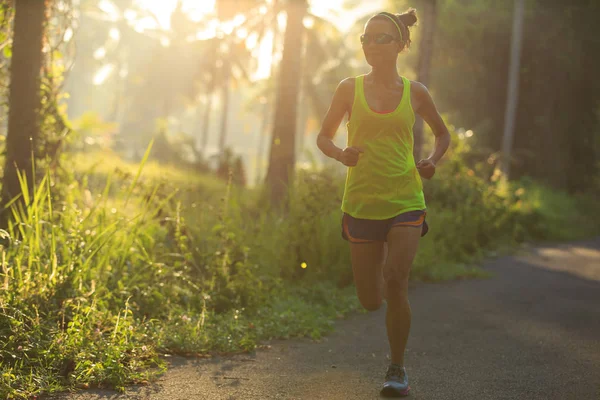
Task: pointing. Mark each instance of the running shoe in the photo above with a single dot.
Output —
(396, 382)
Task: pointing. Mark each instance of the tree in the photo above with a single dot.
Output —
(6, 23)
(257, 22)
(206, 118)
(556, 121)
(513, 87)
(323, 42)
(24, 97)
(429, 16)
(111, 43)
(283, 140)
(224, 59)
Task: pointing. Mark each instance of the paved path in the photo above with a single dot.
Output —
(530, 332)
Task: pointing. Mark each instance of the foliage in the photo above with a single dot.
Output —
(471, 214)
(557, 128)
(93, 132)
(94, 285)
(97, 284)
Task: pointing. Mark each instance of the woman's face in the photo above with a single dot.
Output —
(381, 42)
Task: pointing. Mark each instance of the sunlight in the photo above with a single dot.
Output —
(115, 34)
(108, 7)
(264, 55)
(100, 53)
(68, 34)
(102, 74)
(163, 9)
(331, 10)
(227, 27)
(343, 18)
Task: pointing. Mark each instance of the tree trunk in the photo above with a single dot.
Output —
(206, 123)
(302, 121)
(24, 97)
(261, 138)
(424, 67)
(268, 107)
(282, 153)
(513, 88)
(303, 107)
(115, 109)
(225, 112)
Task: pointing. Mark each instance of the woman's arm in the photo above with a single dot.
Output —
(340, 105)
(427, 110)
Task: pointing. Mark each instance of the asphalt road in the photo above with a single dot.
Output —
(532, 331)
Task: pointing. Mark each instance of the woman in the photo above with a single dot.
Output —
(383, 205)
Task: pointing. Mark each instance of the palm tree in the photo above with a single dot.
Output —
(291, 80)
(283, 139)
(115, 40)
(224, 60)
(161, 64)
(266, 107)
(24, 97)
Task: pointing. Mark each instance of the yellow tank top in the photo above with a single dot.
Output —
(385, 182)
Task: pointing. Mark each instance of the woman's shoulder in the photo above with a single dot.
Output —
(347, 85)
(418, 87)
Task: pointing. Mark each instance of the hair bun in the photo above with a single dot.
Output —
(409, 17)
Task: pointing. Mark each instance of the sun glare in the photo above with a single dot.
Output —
(332, 10)
(103, 74)
(162, 9)
(264, 53)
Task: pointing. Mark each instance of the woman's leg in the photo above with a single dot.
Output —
(367, 267)
(403, 242)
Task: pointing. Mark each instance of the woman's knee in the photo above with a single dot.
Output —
(396, 277)
(397, 285)
(370, 300)
(371, 304)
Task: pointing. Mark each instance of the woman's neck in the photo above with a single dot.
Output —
(387, 75)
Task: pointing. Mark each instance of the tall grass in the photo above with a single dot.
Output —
(96, 285)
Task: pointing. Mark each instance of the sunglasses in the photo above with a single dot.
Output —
(380, 38)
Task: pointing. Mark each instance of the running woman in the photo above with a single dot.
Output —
(383, 204)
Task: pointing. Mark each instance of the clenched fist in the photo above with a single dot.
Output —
(350, 155)
(426, 168)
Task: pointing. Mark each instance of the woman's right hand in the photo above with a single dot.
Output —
(350, 155)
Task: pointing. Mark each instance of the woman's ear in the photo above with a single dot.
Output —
(400, 46)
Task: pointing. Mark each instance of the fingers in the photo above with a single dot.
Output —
(350, 155)
(354, 150)
(425, 164)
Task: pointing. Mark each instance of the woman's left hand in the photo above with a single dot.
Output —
(426, 168)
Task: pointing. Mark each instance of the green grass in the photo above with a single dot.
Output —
(150, 260)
